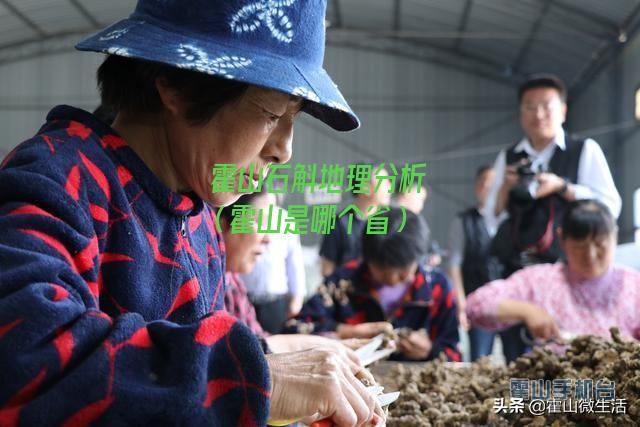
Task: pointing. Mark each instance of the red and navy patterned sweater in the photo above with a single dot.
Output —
(111, 288)
(348, 296)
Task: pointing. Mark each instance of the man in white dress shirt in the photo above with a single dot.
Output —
(536, 177)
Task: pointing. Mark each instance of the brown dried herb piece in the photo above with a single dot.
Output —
(439, 393)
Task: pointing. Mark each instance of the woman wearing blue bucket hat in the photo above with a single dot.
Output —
(111, 286)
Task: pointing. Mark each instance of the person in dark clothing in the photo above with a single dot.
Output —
(343, 244)
(537, 177)
(388, 289)
(111, 265)
(470, 263)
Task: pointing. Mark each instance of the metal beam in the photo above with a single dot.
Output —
(524, 50)
(24, 18)
(425, 102)
(473, 137)
(63, 42)
(413, 54)
(84, 12)
(331, 135)
(499, 68)
(337, 12)
(607, 53)
(462, 25)
(593, 18)
(397, 14)
(50, 45)
(568, 27)
(439, 107)
(427, 35)
(350, 34)
(367, 155)
(463, 148)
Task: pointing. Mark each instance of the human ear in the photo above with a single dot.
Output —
(564, 112)
(168, 96)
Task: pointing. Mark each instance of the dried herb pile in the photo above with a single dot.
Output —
(438, 394)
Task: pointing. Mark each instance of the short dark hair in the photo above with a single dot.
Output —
(545, 81)
(129, 85)
(396, 249)
(105, 114)
(482, 170)
(587, 218)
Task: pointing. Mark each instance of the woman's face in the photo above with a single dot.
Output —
(255, 129)
(392, 275)
(590, 257)
(243, 250)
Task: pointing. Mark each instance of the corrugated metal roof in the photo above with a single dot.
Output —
(508, 38)
(613, 10)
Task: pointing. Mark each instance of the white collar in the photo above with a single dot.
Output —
(525, 145)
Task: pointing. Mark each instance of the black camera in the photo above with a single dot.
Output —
(525, 171)
(526, 175)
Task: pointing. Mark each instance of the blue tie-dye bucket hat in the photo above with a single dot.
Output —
(278, 44)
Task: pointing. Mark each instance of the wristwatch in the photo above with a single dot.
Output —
(565, 186)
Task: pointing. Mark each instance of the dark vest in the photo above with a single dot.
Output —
(563, 163)
(529, 235)
(478, 266)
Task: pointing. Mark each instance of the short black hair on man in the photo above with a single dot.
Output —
(129, 85)
(584, 219)
(482, 170)
(543, 81)
(396, 249)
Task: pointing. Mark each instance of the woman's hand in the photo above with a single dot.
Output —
(363, 330)
(295, 305)
(355, 343)
(417, 346)
(317, 384)
(463, 320)
(284, 343)
(540, 323)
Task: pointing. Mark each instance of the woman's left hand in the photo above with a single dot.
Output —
(417, 346)
(284, 343)
(318, 384)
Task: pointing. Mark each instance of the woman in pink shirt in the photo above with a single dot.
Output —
(586, 294)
